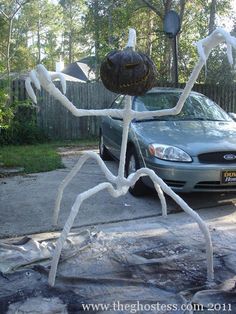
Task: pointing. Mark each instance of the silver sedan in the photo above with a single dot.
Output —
(192, 151)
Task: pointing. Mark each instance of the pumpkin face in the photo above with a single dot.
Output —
(128, 72)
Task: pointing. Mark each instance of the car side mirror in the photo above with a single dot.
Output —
(232, 115)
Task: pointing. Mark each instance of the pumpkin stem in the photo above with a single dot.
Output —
(132, 39)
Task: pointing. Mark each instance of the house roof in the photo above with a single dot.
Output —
(90, 61)
(79, 70)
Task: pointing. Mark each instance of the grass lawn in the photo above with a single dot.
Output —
(38, 157)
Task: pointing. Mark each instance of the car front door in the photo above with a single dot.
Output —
(115, 128)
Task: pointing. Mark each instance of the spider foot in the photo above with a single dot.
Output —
(41, 77)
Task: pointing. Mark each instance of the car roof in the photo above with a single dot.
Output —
(164, 89)
(170, 90)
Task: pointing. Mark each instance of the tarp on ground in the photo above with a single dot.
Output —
(139, 268)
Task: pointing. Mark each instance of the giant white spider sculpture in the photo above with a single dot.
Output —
(119, 185)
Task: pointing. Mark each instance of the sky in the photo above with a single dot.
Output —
(226, 22)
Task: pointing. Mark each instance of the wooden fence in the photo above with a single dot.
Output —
(58, 123)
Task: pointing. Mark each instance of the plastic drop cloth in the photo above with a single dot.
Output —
(147, 264)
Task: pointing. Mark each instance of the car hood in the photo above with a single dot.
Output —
(194, 137)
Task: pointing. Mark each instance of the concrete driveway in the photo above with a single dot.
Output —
(127, 252)
(26, 202)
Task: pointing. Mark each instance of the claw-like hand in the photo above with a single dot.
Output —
(41, 77)
(205, 45)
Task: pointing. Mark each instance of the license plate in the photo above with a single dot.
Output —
(228, 176)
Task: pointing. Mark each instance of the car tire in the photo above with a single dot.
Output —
(103, 151)
(132, 165)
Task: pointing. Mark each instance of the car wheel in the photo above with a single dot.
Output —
(103, 151)
(131, 166)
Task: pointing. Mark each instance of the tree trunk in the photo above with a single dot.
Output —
(70, 53)
(149, 34)
(167, 6)
(211, 25)
(9, 51)
(181, 12)
(70, 48)
(110, 24)
(96, 26)
(38, 42)
(9, 18)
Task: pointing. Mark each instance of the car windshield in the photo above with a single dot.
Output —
(196, 107)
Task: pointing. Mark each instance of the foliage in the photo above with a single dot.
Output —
(217, 63)
(17, 120)
(45, 31)
(10, 12)
(73, 40)
(6, 113)
(108, 21)
(22, 127)
(41, 23)
(34, 31)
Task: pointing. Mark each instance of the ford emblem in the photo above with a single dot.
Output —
(229, 157)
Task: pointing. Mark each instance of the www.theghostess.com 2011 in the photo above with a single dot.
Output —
(158, 307)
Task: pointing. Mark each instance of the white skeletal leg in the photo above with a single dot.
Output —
(202, 225)
(69, 223)
(71, 175)
(162, 199)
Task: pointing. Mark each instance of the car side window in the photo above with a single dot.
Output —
(118, 103)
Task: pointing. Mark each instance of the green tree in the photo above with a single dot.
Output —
(198, 19)
(72, 44)
(42, 21)
(10, 11)
(107, 22)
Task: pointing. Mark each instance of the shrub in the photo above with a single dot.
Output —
(6, 112)
(23, 127)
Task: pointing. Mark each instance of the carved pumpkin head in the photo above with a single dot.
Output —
(128, 72)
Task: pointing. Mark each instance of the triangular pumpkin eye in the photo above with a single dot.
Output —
(110, 62)
(131, 65)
